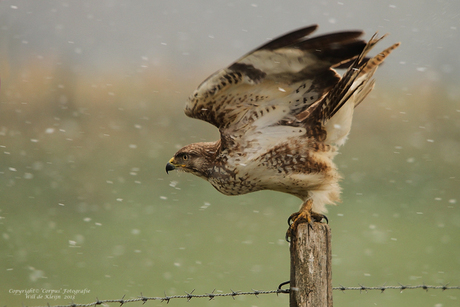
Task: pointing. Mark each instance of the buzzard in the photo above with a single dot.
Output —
(282, 111)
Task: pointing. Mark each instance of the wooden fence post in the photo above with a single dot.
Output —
(311, 273)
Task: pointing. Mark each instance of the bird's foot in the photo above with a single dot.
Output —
(303, 216)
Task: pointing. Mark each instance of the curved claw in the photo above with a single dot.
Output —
(318, 217)
(292, 218)
(301, 217)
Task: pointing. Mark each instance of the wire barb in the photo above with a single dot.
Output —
(362, 288)
(189, 295)
(211, 295)
(234, 293)
(122, 301)
(165, 298)
(143, 298)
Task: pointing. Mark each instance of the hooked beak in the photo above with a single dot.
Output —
(170, 166)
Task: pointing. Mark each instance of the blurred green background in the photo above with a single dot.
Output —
(91, 109)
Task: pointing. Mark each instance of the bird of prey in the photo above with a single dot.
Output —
(282, 111)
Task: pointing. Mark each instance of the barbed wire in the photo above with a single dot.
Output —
(400, 287)
(233, 294)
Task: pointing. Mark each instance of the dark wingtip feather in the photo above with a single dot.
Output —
(328, 40)
(289, 39)
(334, 48)
(342, 53)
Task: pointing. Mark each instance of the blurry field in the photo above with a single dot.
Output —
(86, 202)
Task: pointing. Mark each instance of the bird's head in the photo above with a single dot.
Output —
(194, 158)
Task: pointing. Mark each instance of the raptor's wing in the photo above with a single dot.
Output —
(275, 88)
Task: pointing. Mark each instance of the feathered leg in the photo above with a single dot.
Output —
(305, 215)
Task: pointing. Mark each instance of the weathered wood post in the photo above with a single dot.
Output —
(311, 273)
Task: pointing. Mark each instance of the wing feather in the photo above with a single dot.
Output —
(289, 81)
(292, 71)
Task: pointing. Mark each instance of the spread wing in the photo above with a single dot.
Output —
(276, 88)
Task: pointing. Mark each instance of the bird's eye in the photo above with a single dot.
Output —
(185, 157)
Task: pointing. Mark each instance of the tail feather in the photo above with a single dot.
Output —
(355, 82)
(379, 58)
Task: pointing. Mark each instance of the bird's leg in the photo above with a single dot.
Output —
(305, 214)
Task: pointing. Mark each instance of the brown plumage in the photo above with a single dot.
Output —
(282, 111)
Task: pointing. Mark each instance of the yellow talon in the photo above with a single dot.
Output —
(305, 214)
